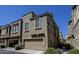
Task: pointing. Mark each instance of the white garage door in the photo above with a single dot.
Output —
(34, 44)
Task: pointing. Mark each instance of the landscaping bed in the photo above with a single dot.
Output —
(73, 51)
(2, 46)
(53, 51)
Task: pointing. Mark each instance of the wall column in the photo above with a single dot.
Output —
(5, 42)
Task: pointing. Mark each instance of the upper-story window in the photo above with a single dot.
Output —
(37, 23)
(3, 32)
(26, 26)
(15, 28)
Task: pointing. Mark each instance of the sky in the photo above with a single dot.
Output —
(62, 13)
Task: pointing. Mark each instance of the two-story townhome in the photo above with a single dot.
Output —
(4, 34)
(11, 33)
(15, 32)
(37, 32)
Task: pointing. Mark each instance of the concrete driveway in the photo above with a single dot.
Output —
(9, 52)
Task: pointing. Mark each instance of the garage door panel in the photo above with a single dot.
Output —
(38, 45)
(27, 45)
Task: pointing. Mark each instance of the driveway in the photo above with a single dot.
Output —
(9, 52)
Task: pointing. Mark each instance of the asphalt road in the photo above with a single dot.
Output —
(9, 52)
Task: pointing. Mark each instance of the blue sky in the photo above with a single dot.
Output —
(61, 14)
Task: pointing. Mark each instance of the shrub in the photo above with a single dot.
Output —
(18, 47)
(2, 46)
(74, 51)
(59, 51)
(68, 46)
(51, 51)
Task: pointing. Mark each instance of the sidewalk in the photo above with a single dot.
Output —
(26, 51)
(64, 52)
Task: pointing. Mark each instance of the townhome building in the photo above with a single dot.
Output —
(11, 33)
(73, 33)
(37, 32)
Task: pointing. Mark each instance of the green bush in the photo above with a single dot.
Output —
(2, 46)
(68, 46)
(74, 51)
(51, 51)
(18, 47)
(59, 51)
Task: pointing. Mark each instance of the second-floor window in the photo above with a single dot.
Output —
(15, 29)
(37, 23)
(26, 26)
(3, 32)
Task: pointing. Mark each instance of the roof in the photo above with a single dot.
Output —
(0, 26)
(44, 14)
(28, 13)
(74, 6)
(15, 21)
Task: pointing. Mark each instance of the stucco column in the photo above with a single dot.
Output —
(23, 43)
(43, 41)
(5, 42)
(18, 41)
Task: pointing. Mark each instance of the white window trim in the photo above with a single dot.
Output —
(15, 29)
(35, 24)
(28, 26)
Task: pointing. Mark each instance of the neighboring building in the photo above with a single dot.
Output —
(73, 33)
(61, 36)
(33, 31)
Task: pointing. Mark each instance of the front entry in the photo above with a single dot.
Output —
(12, 43)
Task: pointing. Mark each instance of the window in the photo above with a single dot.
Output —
(37, 23)
(15, 28)
(3, 33)
(26, 26)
